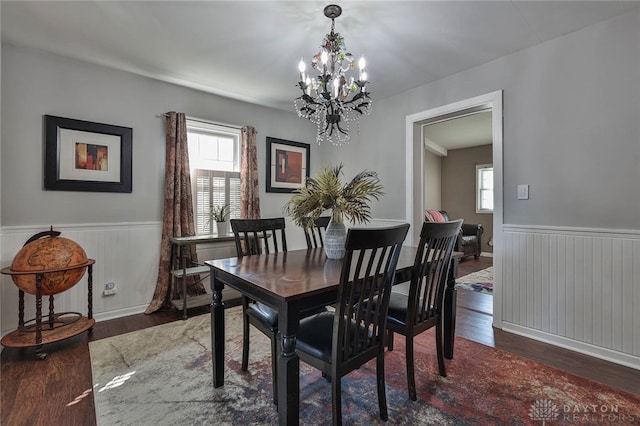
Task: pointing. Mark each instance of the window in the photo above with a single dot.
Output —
(484, 188)
(214, 158)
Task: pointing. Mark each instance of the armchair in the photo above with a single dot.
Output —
(469, 239)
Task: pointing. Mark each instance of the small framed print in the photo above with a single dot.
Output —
(287, 165)
(86, 156)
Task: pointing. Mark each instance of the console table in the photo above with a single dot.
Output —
(180, 270)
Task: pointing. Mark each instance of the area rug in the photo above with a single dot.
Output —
(163, 376)
(480, 281)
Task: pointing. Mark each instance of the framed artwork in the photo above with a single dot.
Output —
(86, 156)
(287, 165)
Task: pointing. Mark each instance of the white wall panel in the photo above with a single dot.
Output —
(580, 287)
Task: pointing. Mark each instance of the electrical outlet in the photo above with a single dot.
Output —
(109, 289)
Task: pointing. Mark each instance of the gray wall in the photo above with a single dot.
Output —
(459, 187)
(571, 128)
(36, 83)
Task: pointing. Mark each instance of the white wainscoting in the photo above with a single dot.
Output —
(125, 253)
(575, 288)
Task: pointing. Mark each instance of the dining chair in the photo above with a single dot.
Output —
(252, 237)
(314, 234)
(421, 309)
(338, 342)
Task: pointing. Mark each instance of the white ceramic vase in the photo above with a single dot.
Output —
(334, 240)
(222, 228)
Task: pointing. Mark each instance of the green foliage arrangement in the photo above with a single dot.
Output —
(219, 213)
(325, 192)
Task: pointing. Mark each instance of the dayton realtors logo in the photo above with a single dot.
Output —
(544, 410)
(547, 411)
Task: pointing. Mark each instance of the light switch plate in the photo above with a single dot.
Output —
(523, 192)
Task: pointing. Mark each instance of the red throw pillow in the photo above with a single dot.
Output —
(434, 216)
(427, 216)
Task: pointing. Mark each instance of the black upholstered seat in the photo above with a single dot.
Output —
(338, 342)
(264, 314)
(397, 312)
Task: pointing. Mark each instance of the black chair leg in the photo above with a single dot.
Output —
(245, 335)
(440, 349)
(275, 353)
(411, 376)
(336, 401)
(382, 394)
(390, 340)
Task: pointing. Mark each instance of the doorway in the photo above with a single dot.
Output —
(458, 152)
(415, 166)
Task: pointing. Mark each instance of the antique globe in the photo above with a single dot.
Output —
(45, 254)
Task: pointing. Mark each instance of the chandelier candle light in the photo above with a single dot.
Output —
(332, 100)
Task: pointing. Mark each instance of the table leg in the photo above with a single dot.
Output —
(449, 314)
(288, 369)
(217, 331)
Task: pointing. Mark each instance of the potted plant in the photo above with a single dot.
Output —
(220, 214)
(325, 192)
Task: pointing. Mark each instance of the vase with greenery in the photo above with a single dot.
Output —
(220, 214)
(327, 192)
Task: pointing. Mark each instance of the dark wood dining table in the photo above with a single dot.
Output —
(291, 282)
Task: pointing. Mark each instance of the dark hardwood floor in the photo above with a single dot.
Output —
(57, 391)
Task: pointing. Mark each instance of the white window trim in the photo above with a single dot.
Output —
(478, 189)
(202, 127)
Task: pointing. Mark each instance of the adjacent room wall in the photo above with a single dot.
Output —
(459, 187)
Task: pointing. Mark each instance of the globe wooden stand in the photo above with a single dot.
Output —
(54, 327)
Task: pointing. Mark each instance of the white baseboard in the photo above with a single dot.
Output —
(118, 313)
(573, 345)
(486, 254)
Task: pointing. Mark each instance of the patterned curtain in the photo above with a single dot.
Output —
(249, 188)
(177, 219)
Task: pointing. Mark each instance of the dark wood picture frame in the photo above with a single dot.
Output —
(288, 164)
(86, 156)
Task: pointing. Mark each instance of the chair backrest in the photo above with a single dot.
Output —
(430, 270)
(363, 294)
(314, 234)
(255, 236)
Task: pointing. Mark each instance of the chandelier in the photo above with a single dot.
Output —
(333, 100)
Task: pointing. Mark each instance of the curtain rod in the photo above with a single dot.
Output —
(202, 120)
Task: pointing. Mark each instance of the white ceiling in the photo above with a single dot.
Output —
(249, 50)
(461, 132)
